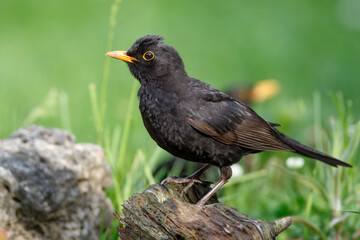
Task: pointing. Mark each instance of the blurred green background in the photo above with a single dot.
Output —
(50, 51)
(306, 45)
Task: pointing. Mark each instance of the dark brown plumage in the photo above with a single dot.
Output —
(194, 121)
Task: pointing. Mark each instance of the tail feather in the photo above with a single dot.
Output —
(311, 153)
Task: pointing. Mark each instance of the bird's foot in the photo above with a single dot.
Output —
(186, 180)
(189, 180)
(173, 179)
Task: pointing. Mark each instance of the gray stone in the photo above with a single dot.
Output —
(52, 188)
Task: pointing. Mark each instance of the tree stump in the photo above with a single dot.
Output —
(163, 212)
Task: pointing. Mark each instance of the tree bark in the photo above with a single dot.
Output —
(162, 212)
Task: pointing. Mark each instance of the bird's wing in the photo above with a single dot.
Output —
(231, 122)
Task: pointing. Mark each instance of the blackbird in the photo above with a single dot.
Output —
(194, 121)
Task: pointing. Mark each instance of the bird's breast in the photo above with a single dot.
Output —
(161, 115)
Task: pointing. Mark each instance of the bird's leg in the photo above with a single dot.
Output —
(195, 177)
(199, 172)
(225, 175)
(190, 180)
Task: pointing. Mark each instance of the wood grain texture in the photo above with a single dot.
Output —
(162, 212)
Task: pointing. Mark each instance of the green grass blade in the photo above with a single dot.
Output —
(310, 182)
(104, 83)
(309, 204)
(353, 144)
(155, 156)
(353, 195)
(126, 129)
(247, 177)
(351, 211)
(317, 122)
(95, 112)
(310, 226)
(64, 110)
(147, 169)
(115, 141)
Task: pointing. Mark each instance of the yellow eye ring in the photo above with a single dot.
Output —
(148, 56)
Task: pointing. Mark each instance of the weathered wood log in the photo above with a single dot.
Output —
(162, 212)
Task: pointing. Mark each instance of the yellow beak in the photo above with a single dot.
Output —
(121, 55)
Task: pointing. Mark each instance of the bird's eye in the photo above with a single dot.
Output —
(148, 56)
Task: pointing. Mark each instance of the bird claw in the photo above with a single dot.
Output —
(173, 179)
(189, 180)
(185, 180)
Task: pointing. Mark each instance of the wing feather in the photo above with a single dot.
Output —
(232, 122)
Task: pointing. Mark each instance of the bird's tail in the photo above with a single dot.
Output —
(311, 153)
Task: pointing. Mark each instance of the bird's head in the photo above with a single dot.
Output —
(151, 60)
